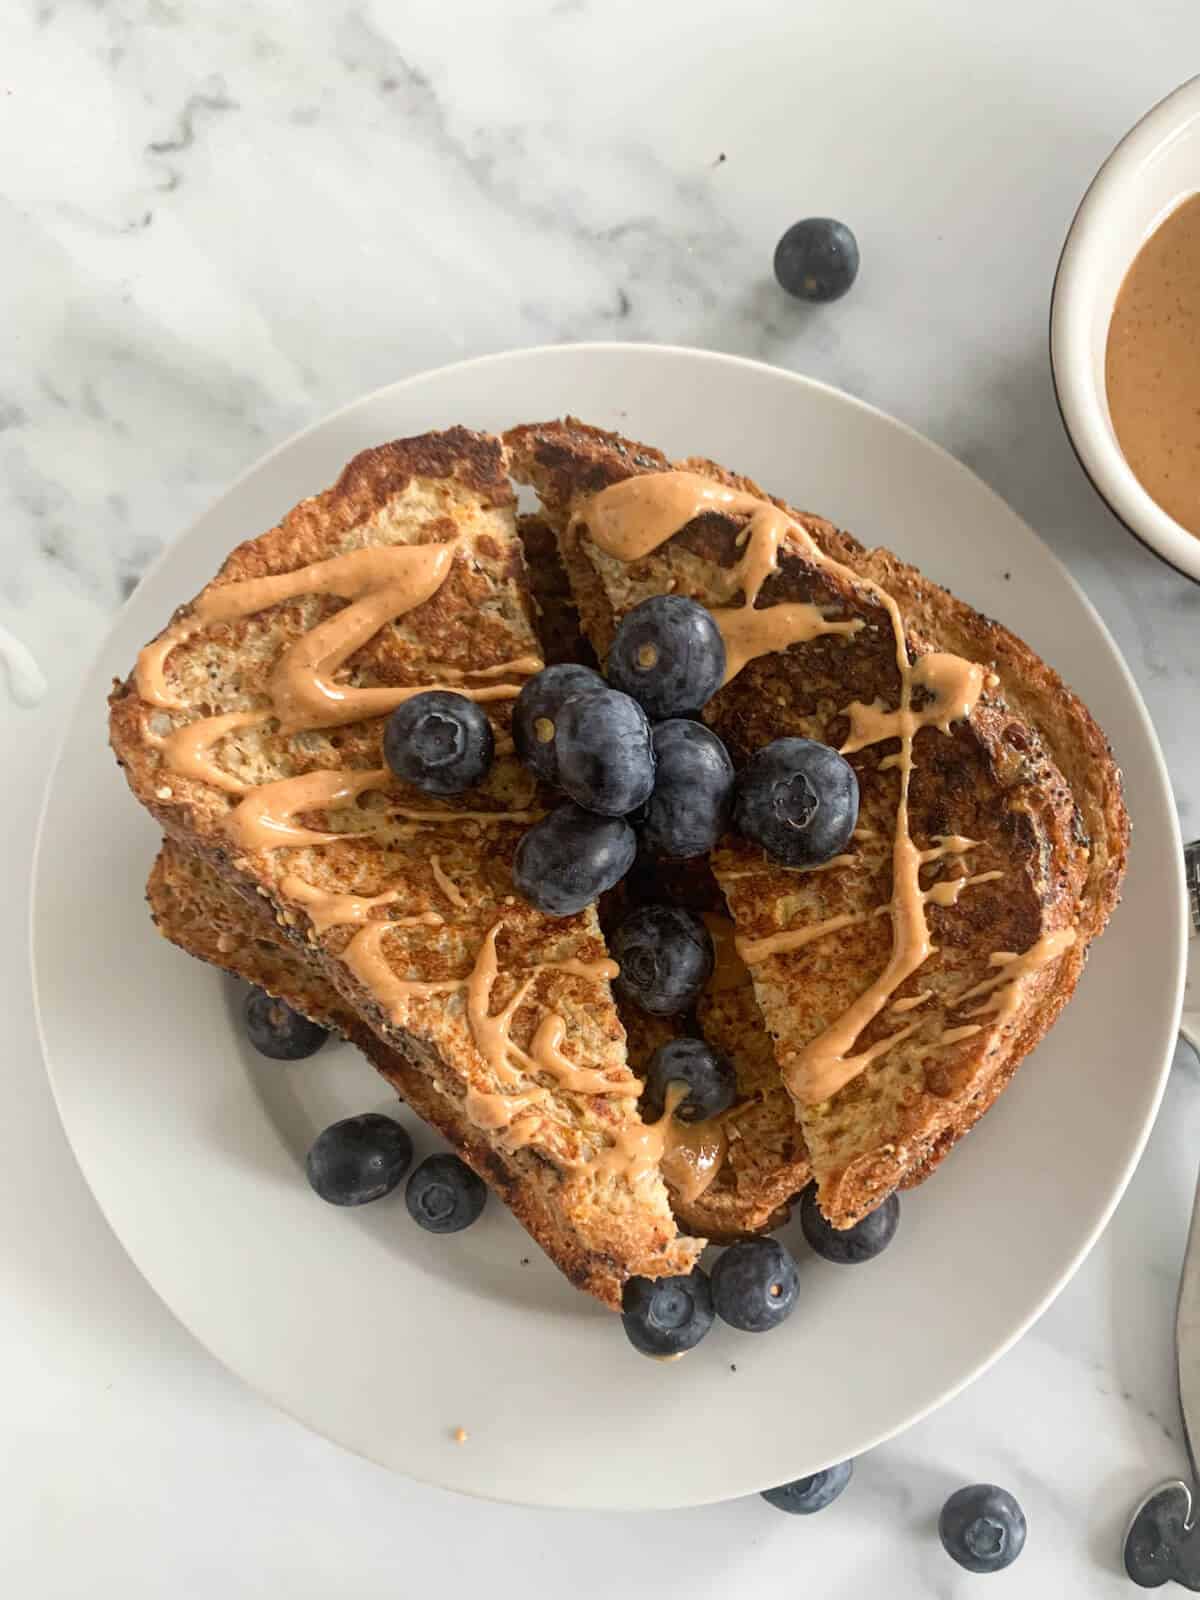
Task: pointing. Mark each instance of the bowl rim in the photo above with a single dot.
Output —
(1083, 410)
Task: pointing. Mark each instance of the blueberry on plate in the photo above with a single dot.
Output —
(535, 715)
(817, 259)
(444, 1195)
(440, 742)
(666, 957)
(982, 1528)
(693, 791)
(570, 858)
(755, 1284)
(705, 1073)
(848, 1246)
(803, 1496)
(359, 1159)
(663, 1317)
(669, 655)
(799, 800)
(275, 1030)
(604, 752)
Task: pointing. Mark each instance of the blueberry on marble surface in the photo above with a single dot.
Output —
(817, 259)
(982, 1528)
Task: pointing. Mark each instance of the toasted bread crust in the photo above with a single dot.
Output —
(1030, 769)
(600, 1226)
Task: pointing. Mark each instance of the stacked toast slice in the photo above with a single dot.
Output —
(251, 728)
(903, 982)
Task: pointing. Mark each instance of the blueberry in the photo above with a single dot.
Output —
(755, 1284)
(666, 957)
(275, 1030)
(669, 655)
(359, 1159)
(817, 259)
(693, 791)
(535, 714)
(982, 1528)
(444, 1195)
(799, 800)
(706, 1073)
(848, 1246)
(604, 752)
(803, 1496)
(570, 858)
(666, 1316)
(440, 742)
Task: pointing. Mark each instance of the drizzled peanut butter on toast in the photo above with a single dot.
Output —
(251, 729)
(905, 981)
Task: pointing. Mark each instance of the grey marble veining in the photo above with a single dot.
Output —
(219, 222)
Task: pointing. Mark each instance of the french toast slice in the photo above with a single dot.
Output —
(252, 730)
(905, 982)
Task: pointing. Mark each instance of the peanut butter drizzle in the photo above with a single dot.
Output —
(627, 521)
(365, 958)
(729, 970)
(910, 1002)
(263, 819)
(693, 1155)
(188, 750)
(639, 1148)
(448, 887)
(1003, 990)
(326, 909)
(491, 1111)
(954, 1035)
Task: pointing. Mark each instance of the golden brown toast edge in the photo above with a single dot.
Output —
(568, 461)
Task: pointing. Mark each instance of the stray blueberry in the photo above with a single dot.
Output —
(669, 655)
(755, 1284)
(569, 858)
(817, 259)
(707, 1074)
(666, 957)
(982, 1528)
(803, 1496)
(604, 752)
(849, 1246)
(440, 742)
(275, 1030)
(535, 715)
(693, 791)
(665, 1316)
(799, 800)
(359, 1159)
(444, 1195)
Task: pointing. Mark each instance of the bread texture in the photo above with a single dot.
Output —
(402, 904)
(1027, 778)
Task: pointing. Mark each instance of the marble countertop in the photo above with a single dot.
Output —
(220, 222)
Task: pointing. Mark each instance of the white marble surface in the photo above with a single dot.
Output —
(217, 222)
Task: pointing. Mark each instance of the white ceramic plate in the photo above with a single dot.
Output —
(385, 1338)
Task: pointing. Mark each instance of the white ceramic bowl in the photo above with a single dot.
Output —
(1155, 166)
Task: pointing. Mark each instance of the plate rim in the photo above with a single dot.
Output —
(702, 356)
